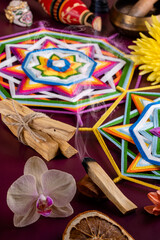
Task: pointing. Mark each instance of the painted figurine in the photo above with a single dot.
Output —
(18, 12)
(71, 12)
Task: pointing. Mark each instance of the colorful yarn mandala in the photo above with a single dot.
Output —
(146, 52)
(54, 69)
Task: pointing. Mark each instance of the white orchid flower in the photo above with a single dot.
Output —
(40, 192)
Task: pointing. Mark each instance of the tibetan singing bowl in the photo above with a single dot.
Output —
(127, 24)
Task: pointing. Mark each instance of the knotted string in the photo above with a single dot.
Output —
(24, 123)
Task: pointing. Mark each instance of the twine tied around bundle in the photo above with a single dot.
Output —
(24, 123)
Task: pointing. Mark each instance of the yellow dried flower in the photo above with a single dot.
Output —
(146, 52)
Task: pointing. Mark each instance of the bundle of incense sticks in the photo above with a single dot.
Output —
(37, 130)
(108, 187)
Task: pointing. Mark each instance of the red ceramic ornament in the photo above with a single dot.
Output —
(71, 12)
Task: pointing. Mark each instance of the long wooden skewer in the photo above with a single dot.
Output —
(108, 187)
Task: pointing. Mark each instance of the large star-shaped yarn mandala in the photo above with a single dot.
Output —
(46, 68)
(144, 133)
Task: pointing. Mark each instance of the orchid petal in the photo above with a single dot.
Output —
(30, 217)
(21, 194)
(60, 186)
(61, 211)
(153, 196)
(36, 167)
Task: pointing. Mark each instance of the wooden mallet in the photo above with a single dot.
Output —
(108, 187)
(141, 8)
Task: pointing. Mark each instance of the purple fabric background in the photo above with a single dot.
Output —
(13, 156)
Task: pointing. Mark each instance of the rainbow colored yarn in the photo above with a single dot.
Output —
(86, 71)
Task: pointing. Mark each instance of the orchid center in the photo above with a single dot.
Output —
(44, 205)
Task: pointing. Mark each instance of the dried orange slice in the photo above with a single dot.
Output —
(94, 225)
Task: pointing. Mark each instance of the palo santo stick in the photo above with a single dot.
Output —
(88, 188)
(141, 8)
(53, 127)
(108, 187)
(66, 149)
(40, 132)
(47, 149)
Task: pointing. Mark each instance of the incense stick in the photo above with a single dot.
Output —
(108, 187)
